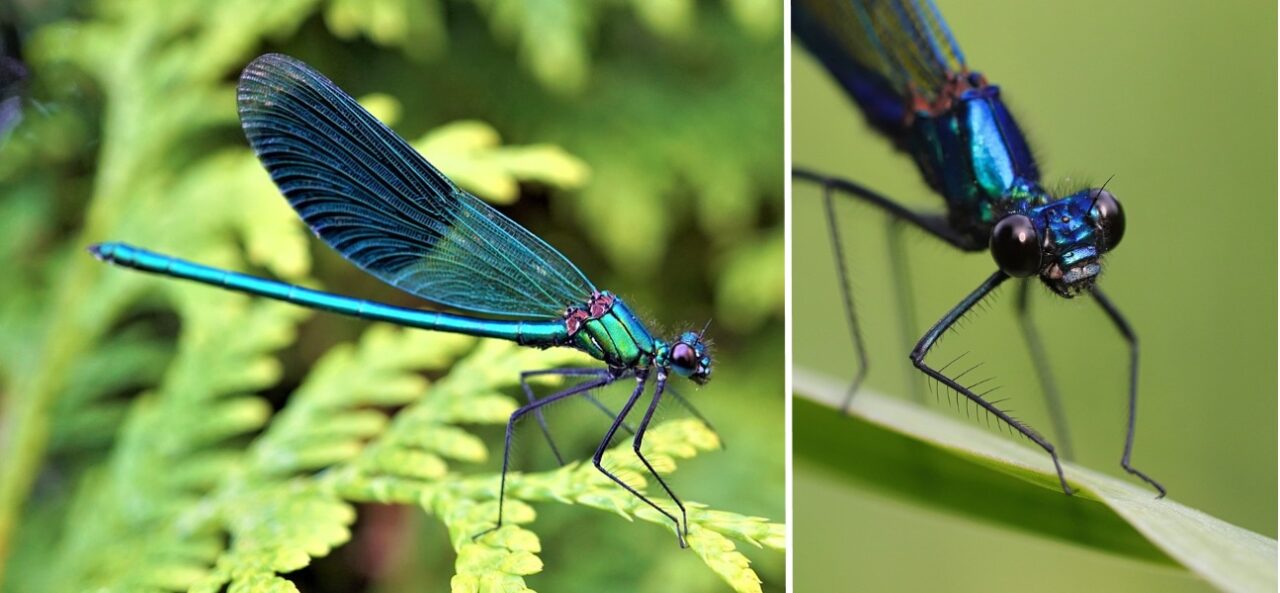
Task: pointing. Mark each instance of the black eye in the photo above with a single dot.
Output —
(1110, 218)
(683, 355)
(1015, 246)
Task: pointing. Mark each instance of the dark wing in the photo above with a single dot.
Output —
(369, 195)
(881, 51)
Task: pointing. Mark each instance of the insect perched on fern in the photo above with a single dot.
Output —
(375, 200)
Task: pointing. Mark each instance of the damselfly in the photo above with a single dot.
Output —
(371, 197)
(899, 63)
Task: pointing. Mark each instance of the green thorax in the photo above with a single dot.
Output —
(608, 330)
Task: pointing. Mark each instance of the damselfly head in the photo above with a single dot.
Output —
(1061, 241)
(688, 356)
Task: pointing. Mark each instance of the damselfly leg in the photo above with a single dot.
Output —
(927, 341)
(851, 314)
(932, 224)
(536, 407)
(531, 397)
(600, 381)
(642, 378)
(659, 387)
(541, 417)
(1131, 338)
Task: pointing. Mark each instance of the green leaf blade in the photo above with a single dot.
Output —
(952, 462)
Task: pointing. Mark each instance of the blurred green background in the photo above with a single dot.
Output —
(675, 109)
(1178, 102)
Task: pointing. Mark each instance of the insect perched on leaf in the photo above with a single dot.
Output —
(900, 64)
(372, 198)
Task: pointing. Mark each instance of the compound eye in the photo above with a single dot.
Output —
(1016, 246)
(684, 356)
(1109, 218)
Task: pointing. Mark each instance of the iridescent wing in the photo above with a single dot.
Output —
(369, 195)
(881, 51)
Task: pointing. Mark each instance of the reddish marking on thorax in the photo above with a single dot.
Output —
(957, 84)
(597, 307)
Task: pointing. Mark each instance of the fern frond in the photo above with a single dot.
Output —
(503, 558)
(406, 461)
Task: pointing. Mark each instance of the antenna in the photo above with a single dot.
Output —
(1099, 192)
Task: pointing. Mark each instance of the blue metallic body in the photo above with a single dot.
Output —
(617, 337)
(900, 64)
(974, 154)
(370, 196)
